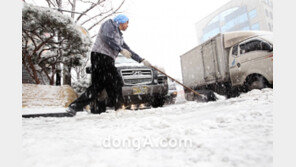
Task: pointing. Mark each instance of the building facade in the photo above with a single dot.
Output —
(237, 15)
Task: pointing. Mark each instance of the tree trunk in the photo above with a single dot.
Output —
(35, 75)
(66, 75)
(58, 74)
(58, 78)
(51, 81)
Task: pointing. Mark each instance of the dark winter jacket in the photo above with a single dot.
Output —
(110, 41)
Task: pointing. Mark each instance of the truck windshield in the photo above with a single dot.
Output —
(123, 60)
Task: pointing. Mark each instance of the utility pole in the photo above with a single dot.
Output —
(58, 66)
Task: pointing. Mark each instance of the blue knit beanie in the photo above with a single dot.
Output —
(119, 19)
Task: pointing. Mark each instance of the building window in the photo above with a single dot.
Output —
(266, 12)
(255, 26)
(210, 34)
(222, 15)
(227, 12)
(246, 28)
(271, 15)
(268, 2)
(237, 20)
(270, 26)
(215, 19)
(252, 13)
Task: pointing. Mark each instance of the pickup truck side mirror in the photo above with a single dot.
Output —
(270, 49)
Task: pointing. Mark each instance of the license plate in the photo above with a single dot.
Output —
(140, 90)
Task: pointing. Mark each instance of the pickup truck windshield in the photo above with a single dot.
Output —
(123, 60)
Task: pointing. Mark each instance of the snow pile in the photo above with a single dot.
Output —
(231, 132)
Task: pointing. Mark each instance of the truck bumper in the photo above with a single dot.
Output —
(132, 97)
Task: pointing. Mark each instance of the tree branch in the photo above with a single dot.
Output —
(40, 53)
(29, 36)
(90, 8)
(95, 16)
(115, 11)
(42, 43)
(49, 2)
(71, 2)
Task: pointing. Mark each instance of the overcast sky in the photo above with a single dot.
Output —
(162, 30)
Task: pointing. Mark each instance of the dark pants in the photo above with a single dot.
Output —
(104, 76)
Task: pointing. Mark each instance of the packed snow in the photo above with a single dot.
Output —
(236, 132)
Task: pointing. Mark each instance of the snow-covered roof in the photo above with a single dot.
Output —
(232, 38)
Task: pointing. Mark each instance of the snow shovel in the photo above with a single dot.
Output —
(210, 96)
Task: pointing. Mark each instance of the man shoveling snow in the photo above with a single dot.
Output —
(108, 45)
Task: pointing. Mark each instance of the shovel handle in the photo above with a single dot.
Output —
(176, 81)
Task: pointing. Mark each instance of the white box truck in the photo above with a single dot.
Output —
(229, 63)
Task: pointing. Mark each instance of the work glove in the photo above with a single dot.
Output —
(126, 53)
(146, 63)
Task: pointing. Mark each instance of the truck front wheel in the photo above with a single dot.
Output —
(157, 101)
(256, 82)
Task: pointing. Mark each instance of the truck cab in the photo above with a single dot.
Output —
(251, 62)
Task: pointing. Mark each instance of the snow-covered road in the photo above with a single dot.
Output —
(236, 132)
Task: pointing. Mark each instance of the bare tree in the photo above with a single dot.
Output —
(87, 13)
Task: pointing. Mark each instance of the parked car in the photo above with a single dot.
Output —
(142, 85)
(229, 63)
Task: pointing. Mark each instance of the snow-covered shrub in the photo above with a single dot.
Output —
(81, 85)
(48, 39)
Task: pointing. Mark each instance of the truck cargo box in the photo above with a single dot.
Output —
(206, 63)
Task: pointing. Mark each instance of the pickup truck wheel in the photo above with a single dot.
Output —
(257, 82)
(170, 100)
(158, 101)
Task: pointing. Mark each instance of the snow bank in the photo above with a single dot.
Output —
(233, 132)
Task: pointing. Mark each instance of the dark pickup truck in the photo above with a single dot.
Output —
(142, 85)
